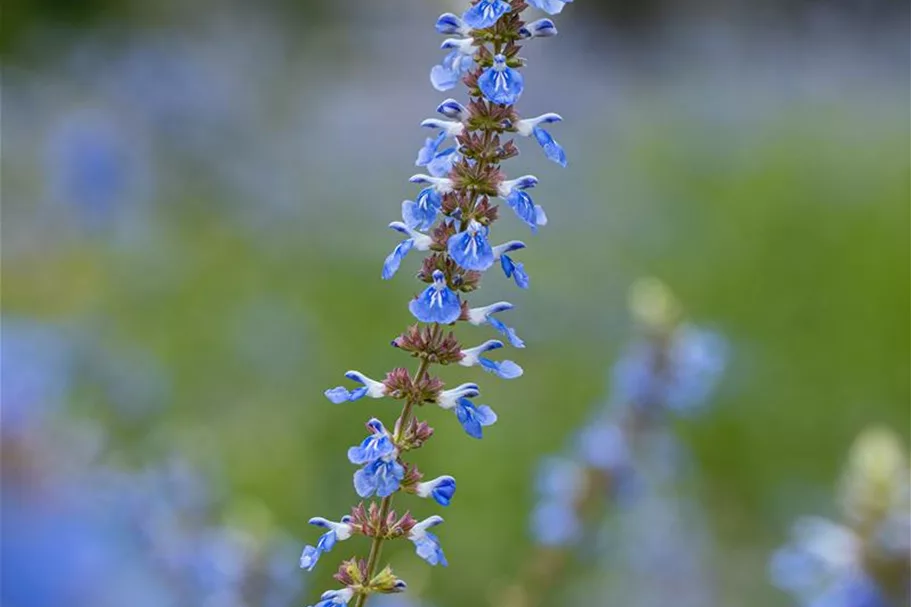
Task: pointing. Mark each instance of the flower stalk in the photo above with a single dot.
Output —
(449, 220)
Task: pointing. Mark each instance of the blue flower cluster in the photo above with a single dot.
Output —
(111, 535)
(674, 368)
(450, 220)
(864, 560)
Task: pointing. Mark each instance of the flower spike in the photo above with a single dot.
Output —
(448, 223)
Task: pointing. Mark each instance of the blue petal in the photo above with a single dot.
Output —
(371, 449)
(525, 208)
(486, 13)
(509, 332)
(309, 558)
(428, 548)
(552, 149)
(364, 483)
(394, 259)
(389, 476)
(505, 369)
(514, 270)
(430, 148)
(441, 164)
(338, 395)
(552, 7)
(471, 250)
(473, 418)
(421, 213)
(501, 86)
(433, 305)
(444, 491)
(443, 79)
(327, 541)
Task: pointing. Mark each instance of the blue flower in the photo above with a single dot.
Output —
(542, 28)
(486, 13)
(531, 127)
(470, 248)
(455, 64)
(438, 303)
(513, 192)
(551, 7)
(335, 598)
(602, 445)
(416, 213)
(376, 446)
(449, 24)
(474, 418)
(512, 269)
(448, 127)
(421, 213)
(455, 110)
(426, 544)
(337, 532)
(479, 316)
(554, 523)
(370, 387)
(381, 477)
(505, 369)
(441, 489)
(500, 83)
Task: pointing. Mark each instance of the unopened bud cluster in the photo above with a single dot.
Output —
(450, 221)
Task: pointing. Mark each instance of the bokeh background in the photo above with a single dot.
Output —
(195, 199)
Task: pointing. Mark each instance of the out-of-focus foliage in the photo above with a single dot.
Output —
(211, 250)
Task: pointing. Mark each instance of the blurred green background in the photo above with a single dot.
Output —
(759, 165)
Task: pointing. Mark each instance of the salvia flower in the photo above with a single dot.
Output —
(450, 222)
(485, 315)
(513, 192)
(473, 418)
(337, 532)
(470, 248)
(505, 369)
(486, 13)
(501, 83)
(437, 303)
(532, 127)
(441, 489)
(370, 387)
(426, 543)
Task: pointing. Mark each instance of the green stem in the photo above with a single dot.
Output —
(377, 546)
